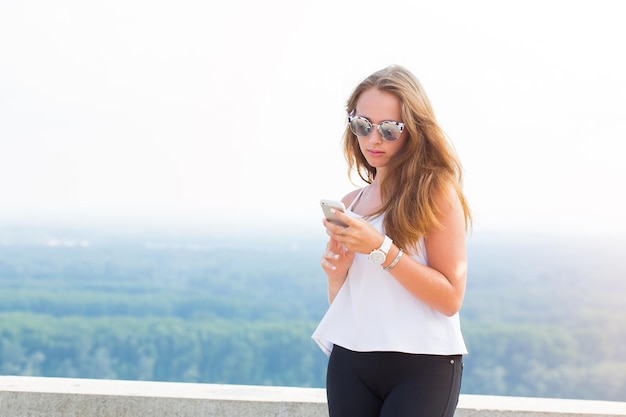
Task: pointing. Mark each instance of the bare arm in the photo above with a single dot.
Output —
(441, 283)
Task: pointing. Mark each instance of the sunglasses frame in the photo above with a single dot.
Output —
(400, 126)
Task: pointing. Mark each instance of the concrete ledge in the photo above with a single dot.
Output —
(65, 397)
(494, 406)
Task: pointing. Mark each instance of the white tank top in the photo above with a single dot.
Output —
(374, 312)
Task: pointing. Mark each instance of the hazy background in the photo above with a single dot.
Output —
(226, 118)
(230, 114)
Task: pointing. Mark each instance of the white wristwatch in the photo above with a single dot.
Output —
(378, 256)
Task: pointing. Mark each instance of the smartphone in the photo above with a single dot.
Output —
(337, 205)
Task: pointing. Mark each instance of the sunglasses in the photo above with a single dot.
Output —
(389, 130)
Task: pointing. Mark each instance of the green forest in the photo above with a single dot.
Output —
(543, 316)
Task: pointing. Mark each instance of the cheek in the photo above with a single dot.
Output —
(395, 147)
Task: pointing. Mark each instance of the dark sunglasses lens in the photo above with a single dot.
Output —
(389, 131)
(360, 126)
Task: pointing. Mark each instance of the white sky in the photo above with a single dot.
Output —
(192, 112)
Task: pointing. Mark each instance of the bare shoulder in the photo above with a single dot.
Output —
(349, 198)
(450, 214)
(447, 199)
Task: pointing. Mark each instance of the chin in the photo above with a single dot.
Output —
(377, 163)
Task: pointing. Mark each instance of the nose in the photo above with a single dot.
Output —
(375, 137)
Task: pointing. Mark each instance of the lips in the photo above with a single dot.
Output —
(374, 152)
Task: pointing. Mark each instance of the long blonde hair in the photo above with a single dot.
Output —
(423, 169)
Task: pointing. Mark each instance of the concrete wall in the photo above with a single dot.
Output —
(64, 397)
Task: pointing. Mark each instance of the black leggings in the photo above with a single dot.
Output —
(392, 384)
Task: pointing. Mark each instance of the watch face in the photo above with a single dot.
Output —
(377, 257)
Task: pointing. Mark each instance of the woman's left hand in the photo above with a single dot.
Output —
(359, 236)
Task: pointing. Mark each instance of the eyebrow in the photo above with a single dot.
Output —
(382, 121)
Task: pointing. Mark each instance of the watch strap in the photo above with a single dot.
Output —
(386, 245)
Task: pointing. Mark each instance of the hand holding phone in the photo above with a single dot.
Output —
(332, 204)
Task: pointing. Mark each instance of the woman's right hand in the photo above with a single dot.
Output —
(336, 261)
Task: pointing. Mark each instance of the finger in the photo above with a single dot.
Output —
(327, 265)
(342, 216)
(333, 245)
(332, 228)
(336, 246)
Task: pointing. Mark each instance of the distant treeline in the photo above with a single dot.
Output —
(542, 317)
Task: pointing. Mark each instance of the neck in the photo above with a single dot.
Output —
(377, 179)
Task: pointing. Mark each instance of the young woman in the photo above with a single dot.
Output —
(397, 273)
